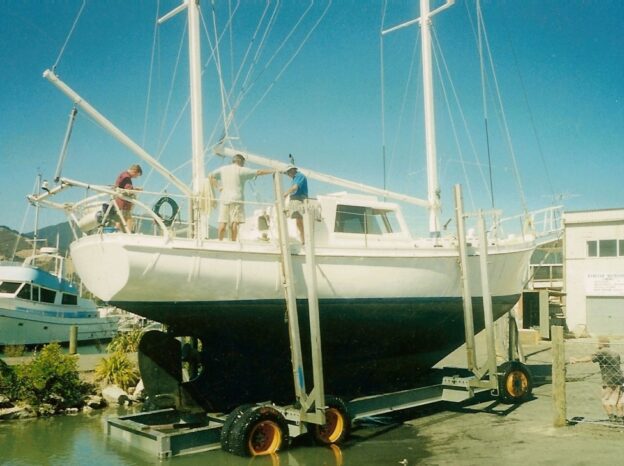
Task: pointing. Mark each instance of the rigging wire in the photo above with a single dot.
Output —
(224, 96)
(150, 75)
(289, 61)
(464, 120)
(382, 92)
(531, 119)
(217, 58)
(71, 31)
(24, 218)
(263, 41)
(247, 54)
(162, 146)
(501, 110)
(406, 89)
(231, 35)
(440, 58)
(484, 84)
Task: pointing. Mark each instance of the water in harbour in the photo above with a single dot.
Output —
(82, 440)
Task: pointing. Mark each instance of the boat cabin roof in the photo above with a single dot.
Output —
(37, 276)
(355, 214)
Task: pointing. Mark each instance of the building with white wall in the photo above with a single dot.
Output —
(594, 271)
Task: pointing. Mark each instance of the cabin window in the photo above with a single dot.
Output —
(35, 293)
(69, 299)
(24, 293)
(47, 296)
(364, 220)
(9, 287)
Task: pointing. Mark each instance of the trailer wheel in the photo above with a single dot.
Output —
(227, 425)
(515, 383)
(338, 425)
(258, 431)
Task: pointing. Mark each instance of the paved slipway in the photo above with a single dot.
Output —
(486, 432)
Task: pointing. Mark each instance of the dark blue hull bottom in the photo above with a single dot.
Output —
(369, 346)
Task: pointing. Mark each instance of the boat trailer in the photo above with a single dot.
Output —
(264, 428)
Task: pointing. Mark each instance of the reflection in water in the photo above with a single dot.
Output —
(82, 440)
(313, 456)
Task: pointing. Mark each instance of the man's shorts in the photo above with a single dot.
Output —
(231, 213)
(295, 208)
(116, 218)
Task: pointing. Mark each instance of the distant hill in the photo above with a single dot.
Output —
(62, 231)
(11, 241)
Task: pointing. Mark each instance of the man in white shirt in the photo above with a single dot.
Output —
(231, 202)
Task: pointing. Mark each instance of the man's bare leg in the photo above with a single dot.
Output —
(221, 231)
(234, 231)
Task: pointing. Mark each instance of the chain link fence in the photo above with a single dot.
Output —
(594, 380)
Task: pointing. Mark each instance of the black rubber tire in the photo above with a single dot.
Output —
(515, 383)
(258, 431)
(338, 426)
(227, 426)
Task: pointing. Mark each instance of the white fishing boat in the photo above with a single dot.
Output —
(390, 304)
(38, 306)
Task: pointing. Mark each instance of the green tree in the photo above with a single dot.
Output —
(51, 377)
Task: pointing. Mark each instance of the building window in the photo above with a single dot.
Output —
(621, 248)
(607, 248)
(592, 248)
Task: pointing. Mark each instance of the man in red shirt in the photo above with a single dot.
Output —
(124, 181)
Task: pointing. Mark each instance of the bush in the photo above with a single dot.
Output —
(12, 351)
(8, 383)
(117, 369)
(125, 342)
(51, 377)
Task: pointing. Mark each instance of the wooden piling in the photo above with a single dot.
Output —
(73, 339)
(558, 376)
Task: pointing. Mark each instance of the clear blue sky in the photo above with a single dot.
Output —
(560, 70)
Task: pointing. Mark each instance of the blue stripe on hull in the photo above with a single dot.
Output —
(369, 345)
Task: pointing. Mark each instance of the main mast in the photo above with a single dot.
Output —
(196, 106)
(433, 186)
(197, 121)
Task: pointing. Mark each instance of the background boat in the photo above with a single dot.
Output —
(38, 306)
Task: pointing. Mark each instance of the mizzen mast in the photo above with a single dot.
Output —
(433, 186)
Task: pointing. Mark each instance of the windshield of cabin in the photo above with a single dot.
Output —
(365, 220)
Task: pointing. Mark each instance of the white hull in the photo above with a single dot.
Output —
(179, 270)
(33, 327)
(39, 307)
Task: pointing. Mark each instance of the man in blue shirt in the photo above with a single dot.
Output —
(298, 193)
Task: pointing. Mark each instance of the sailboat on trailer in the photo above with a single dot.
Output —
(390, 304)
